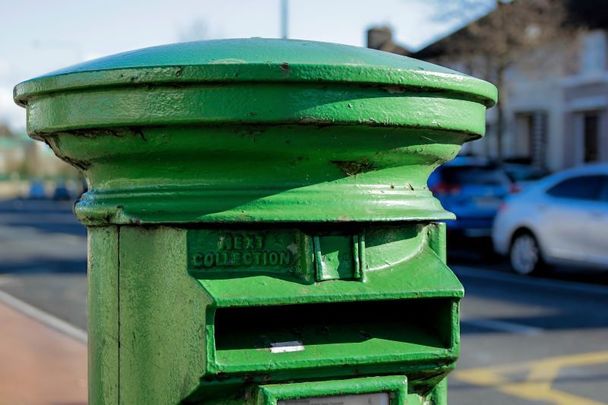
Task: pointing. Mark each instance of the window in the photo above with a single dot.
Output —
(531, 136)
(594, 52)
(475, 175)
(604, 192)
(591, 137)
(579, 188)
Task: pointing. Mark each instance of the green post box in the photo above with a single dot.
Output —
(260, 229)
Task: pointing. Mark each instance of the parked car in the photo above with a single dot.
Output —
(62, 192)
(36, 190)
(473, 189)
(523, 175)
(563, 219)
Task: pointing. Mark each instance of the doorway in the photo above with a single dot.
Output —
(591, 136)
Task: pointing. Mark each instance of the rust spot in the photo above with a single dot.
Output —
(93, 133)
(317, 123)
(250, 132)
(354, 167)
(80, 164)
(139, 132)
(394, 89)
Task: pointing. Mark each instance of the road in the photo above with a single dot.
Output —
(43, 257)
(524, 340)
(531, 341)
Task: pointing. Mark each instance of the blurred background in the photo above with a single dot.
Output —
(531, 240)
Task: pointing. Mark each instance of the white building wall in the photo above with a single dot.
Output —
(534, 85)
(549, 80)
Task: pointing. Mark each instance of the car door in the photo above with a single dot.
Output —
(570, 214)
(598, 235)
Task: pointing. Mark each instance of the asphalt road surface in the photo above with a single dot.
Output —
(524, 340)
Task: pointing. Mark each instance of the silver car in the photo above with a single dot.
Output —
(562, 219)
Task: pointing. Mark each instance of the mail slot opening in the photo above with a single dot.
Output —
(332, 330)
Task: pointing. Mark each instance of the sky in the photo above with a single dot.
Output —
(38, 36)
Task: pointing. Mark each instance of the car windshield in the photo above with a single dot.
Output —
(477, 175)
(523, 173)
(587, 187)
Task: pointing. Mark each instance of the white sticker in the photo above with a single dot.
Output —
(287, 347)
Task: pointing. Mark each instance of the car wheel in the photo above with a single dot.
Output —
(524, 255)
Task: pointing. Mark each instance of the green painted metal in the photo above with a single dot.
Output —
(161, 318)
(259, 223)
(103, 305)
(255, 60)
(395, 386)
(152, 129)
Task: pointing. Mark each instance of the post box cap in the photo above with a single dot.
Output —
(256, 130)
(257, 60)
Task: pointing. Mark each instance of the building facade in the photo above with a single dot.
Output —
(554, 100)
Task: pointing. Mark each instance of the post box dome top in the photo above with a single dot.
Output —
(256, 130)
(257, 60)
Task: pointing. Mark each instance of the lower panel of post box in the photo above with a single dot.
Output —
(201, 336)
(388, 390)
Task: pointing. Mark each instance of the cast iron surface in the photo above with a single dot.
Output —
(256, 131)
(246, 194)
(257, 59)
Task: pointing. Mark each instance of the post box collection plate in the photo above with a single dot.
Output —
(362, 399)
(260, 227)
(381, 390)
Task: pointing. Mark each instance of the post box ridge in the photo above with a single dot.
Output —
(258, 60)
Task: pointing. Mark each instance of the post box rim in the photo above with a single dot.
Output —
(294, 61)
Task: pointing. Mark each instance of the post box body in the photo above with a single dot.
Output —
(260, 230)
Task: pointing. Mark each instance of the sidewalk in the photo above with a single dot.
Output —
(39, 365)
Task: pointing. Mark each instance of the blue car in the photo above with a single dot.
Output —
(473, 189)
(37, 190)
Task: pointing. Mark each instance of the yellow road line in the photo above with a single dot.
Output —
(539, 378)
